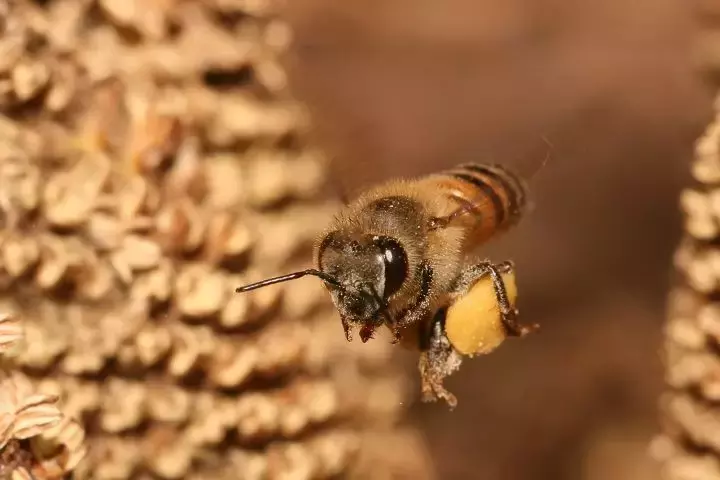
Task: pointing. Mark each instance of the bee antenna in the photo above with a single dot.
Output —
(290, 276)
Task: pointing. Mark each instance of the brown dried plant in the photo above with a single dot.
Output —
(689, 447)
(37, 440)
(152, 161)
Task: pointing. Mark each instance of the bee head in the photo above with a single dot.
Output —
(361, 272)
(369, 269)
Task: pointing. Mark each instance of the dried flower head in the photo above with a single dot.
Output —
(127, 222)
(689, 447)
(23, 413)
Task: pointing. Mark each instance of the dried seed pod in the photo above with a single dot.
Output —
(246, 464)
(690, 448)
(236, 311)
(226, 238)
(152, 22)
(224, 173)
(232, 364)
(168, 404)
(267, 181)
(320, 456)
(156, 286)
(35, 416)
(180, 228)
(116, 458)
(271, 75)
(29, 77)
(200, 291)
(186, 176)
(190, 347)
(170, 455)
(129, 170)
(702, 221)
(239, 118)
(123, 405)
(21, 182)
(258, 416)
(154, 138)
(69, 197)
(79, 397)
(139, 253)
(63, 89)
(46, 338)
(153, 343)
(88, 352)
(283, 347)
(105, 231)
(136, 196)
(23, 413)
(67, 436)
(705, 169)
(98, 282)
(212, 419)
(305, 405)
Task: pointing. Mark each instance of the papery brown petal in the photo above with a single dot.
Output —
(10, 331)
(35, 419)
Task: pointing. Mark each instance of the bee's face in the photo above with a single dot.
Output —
(369, 269)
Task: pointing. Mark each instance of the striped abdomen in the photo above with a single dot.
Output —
(492, 198)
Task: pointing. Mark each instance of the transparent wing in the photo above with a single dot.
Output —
(528, 162)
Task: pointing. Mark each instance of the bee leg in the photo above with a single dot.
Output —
(436, 223)
(508, 314)
(347, 329)
(397, 335)
(395, 328)
(438, 359)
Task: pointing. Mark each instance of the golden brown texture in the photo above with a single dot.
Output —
(689, 447)
(150, 163)
(38, 438)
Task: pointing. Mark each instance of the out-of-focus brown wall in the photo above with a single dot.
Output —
(408, 86)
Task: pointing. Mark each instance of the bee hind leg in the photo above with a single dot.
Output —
(438, 359)
(508, 314)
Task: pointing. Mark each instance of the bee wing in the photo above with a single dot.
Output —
(527, 165)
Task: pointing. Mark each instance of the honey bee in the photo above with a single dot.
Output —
(401, 255)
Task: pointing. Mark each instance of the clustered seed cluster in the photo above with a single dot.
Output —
(690, 446)
(150, 162)
(37, 438)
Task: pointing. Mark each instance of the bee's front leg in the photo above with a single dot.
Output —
(438, 359)
(508, 314)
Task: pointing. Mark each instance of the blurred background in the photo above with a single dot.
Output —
(401, 87)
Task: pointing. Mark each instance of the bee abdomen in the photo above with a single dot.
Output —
(496, 195)
(508, 189)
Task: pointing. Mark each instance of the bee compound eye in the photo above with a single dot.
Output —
(396, 264)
